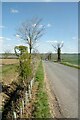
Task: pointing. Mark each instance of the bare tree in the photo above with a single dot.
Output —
(31, 31)
(49, 56)
(57, 46)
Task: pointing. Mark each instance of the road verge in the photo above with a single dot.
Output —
(41, 104)
(70, 65)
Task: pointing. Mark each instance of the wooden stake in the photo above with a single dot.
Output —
(20, 112)
(23, 106)
(26, 98)
(14, 115)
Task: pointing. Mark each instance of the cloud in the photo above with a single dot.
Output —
(1, 38)
(7, 38)
(40, 26)
(4, 38)
(17, 36)
(74, 38)
(1, 27)
(48, 25)
(51, 41)
(14, 10)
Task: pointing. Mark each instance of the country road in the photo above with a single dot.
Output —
(63, 82)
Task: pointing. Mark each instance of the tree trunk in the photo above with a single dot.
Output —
(30, 46)
(59, 54)
(30, 49)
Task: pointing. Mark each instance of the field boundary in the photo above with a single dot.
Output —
(70, 65)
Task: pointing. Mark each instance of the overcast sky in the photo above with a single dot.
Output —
(60, 19)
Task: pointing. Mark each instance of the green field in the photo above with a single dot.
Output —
(8, 73)
(70, 58)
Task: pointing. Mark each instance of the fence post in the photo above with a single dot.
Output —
(26, 98)
(14, 115)
(20, 112)
(29, 92)
(32, 81)
(22, 105)
(31, 84)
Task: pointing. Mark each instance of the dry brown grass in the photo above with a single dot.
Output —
(8, 73)
(8, 61)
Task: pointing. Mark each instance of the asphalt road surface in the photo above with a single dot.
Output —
(64, 83)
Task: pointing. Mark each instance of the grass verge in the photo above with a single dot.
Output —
(41, 104)
(71, 65)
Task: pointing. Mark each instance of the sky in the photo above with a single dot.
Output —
(39, 0)
(60, 20)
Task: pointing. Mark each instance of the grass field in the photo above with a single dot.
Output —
(71, 58)
(9, 73)
(8, 61)
(8, 70)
